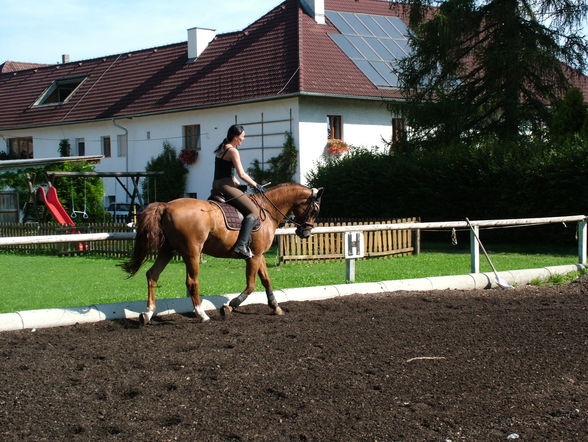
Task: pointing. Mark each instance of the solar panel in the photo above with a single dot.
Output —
(374, 43)
(356, 24)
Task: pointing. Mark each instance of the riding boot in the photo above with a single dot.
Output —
(241, 248)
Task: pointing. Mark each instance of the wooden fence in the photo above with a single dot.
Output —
(327, 246)
(111, 247)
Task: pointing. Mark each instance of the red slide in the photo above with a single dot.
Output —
(52, 202)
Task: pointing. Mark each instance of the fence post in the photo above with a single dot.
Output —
(582, 242)
(417, 241)
(474, 250)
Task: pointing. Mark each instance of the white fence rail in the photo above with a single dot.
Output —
(475, 265)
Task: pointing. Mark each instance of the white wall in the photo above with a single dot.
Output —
(146, 136)
(365, 123)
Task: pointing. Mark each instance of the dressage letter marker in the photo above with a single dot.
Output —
(354, 249)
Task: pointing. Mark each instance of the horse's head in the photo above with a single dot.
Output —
(305, 213)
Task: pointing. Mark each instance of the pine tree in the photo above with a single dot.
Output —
(488, 67)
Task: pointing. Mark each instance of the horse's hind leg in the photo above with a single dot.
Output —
(193, 285)
(267, 284)
(163, 258)
(251, 269)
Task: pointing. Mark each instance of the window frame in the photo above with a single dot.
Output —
(81, 142)
(103, 146)
(192, 141)
(55, 87)
(19, 142)
(123, 147)
(334, 127)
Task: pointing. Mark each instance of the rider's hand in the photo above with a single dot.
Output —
(259, 188)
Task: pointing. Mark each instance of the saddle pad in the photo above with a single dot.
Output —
(233, 218)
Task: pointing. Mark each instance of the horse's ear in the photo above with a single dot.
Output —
(319, 193)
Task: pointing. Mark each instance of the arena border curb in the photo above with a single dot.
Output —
(57, 317)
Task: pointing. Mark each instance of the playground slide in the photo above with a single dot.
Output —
(52, 202)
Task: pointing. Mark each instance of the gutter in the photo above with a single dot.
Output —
(212, 106)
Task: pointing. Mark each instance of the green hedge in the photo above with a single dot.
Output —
(485, 182)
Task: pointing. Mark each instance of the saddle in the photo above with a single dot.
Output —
(233, 218)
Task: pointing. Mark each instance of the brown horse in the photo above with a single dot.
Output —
(192, 227)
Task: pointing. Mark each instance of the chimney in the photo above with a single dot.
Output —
(65, 58)
(198, 39)
(316, 9)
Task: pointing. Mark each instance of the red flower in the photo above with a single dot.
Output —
(188, 156)
(336, 147)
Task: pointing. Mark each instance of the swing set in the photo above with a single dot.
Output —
(131, 190)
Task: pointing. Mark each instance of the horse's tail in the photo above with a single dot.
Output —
(149, 238)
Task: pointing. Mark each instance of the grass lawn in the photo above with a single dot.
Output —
(33, 282)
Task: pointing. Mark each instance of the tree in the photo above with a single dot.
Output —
(64, 148)
(170, 185)
(281, 167)
(569, 115)
(488, 67)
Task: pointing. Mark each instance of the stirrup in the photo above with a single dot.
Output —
(243, 252)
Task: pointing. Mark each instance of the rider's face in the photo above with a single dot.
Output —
(239, 139)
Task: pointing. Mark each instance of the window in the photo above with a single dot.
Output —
(106, 147)
(334, 127)
(81, 146)
(192, 137)
(21, 148)
(59, 91)
(122, 142)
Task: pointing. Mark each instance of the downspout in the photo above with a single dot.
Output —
(127, 141)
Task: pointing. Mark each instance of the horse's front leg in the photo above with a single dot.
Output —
(193, 285)
(267, 284)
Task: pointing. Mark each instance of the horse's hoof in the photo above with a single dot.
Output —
(278, 311)
(225, 311)
(145, 318)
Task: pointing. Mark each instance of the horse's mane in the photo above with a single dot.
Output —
(274, 191)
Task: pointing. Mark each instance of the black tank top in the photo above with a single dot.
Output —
(222, 167)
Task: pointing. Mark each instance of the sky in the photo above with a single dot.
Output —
(40, 31)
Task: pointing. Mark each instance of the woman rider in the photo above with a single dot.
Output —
(227, 159)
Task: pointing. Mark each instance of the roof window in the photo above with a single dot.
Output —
(59, 91)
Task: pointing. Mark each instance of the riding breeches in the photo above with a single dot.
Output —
(235, 197)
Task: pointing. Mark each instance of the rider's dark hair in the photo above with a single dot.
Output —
(234, 131)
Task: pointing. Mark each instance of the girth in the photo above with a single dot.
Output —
(233, 218)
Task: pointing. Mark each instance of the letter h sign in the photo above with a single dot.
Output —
(354, 245)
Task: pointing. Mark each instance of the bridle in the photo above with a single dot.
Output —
(312, 209)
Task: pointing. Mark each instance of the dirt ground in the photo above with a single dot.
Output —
(472, 365)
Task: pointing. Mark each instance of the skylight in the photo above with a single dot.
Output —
(374, 43)
(59, 91)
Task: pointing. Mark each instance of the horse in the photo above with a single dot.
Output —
(191, 227)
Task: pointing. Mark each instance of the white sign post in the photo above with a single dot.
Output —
(354, 248)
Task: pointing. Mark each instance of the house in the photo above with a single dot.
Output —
(318, 69)
(285, 72)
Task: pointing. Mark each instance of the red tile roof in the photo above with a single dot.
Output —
(258, 62)
(284, 52)
(13, 66)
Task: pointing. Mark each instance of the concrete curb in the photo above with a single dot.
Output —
(56, 317)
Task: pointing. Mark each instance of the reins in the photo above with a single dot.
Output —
(286, 217)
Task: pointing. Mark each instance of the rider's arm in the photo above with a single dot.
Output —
(233, 155)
